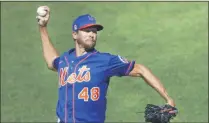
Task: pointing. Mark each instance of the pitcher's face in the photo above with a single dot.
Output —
(86, 37)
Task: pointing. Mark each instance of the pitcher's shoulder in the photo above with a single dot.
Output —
(104, 55)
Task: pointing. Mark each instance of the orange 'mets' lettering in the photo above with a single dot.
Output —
(72, 78)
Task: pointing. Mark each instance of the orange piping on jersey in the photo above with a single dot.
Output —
(74, 84)
(66, 98)
(129, 67)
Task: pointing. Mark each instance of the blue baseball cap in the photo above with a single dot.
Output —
(85, 21)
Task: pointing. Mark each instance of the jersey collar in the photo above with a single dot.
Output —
(73, 53)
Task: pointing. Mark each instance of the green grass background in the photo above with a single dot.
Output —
(170, 38)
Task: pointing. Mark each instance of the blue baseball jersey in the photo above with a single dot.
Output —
(83, 84)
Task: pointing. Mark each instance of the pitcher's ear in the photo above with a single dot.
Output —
(74, 35)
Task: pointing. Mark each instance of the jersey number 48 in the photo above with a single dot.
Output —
(94, 94)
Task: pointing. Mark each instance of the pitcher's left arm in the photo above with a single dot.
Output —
(140, 70)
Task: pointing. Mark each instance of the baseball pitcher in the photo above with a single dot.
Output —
(84, 73)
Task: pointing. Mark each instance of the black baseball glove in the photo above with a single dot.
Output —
(159, 114)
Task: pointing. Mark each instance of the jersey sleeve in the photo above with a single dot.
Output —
(56, 62)
(119, 66)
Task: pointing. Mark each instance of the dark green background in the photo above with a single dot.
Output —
(170, 38)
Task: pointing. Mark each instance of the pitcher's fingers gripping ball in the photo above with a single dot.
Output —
(159, 114)
(43, 15)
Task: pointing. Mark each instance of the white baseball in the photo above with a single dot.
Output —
(41, 11)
